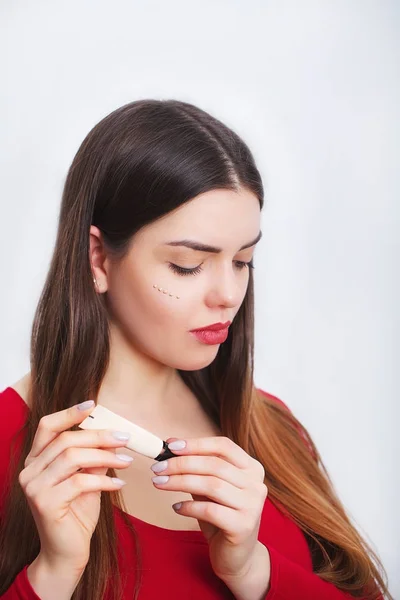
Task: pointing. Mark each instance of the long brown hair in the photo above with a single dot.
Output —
(137, 164)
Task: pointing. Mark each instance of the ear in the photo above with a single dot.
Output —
(98, 259)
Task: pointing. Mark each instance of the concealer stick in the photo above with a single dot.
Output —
(141, 440)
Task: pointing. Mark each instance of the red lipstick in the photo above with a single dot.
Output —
(213, 327)
(212, 334)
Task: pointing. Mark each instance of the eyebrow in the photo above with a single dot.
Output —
(205, 248)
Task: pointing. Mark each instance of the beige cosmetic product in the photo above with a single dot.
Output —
(141, 440)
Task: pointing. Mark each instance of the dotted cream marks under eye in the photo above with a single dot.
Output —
(164, 291)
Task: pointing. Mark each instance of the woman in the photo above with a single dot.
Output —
(159, 222)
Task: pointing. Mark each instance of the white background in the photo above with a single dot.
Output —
(313, 87)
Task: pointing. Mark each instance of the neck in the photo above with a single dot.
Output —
(143, 390)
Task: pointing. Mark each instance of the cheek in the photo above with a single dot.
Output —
(158, 324)
(141, 304)
(170, 309)
(148, 311)
(167, 295)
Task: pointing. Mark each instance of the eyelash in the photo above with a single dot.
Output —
(181, 271)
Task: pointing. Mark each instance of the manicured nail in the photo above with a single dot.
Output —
(118, 481)
(160, 479)
(85, 405)
(177, 445)
(125, 457)
(122, 436)
(159, 466)
(177, 505)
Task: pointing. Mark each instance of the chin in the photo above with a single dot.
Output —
(195, 363)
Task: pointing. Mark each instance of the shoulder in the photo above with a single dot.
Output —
(22, 387)
(272, 400)
(290, 418)
(14, 413)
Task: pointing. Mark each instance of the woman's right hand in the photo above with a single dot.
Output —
(65, 503)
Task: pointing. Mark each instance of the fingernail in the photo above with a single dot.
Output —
(118, 481)
(177, 445)
(160, 479)
(85, 405)
(122, 436)
(177, 505)
(125, 457)
(159, 466)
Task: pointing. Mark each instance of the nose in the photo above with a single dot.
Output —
(227, 289)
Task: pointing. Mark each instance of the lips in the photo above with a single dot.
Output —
(211, 337)
(213, 327)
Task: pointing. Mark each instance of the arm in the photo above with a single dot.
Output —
(288, 577)
(274, 577)
(20, 589)
(255, 584)
(38, 581)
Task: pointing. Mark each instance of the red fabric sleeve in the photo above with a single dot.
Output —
(21, 588)
(289, 581)
(12, 418)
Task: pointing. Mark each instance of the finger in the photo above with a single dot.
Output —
(237, 527)
(94, 470)
(50, 426)
(84, 438)
(204, 465)
(68, 462)
(217, 445)
(212, 487)
(98, 470)
(67, 491)
(221, 516)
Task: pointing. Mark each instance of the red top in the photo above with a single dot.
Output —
(176, 563)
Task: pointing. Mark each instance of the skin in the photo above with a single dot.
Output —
(150, 339)
(150, 336)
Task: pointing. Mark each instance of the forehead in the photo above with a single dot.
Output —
(220, 217)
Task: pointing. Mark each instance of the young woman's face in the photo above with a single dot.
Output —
(210, 285)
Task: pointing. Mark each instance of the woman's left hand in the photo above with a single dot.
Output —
(228, 490)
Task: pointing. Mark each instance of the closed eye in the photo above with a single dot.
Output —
(240, 265)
